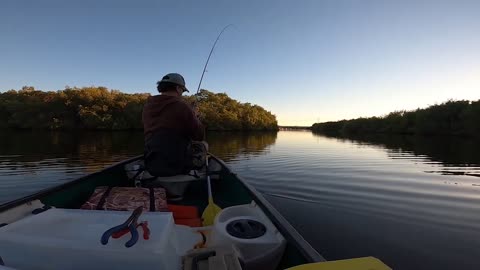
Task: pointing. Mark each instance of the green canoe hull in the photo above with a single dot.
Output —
(231, 190)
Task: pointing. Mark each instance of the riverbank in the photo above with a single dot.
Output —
(98, 108)
(459, 118)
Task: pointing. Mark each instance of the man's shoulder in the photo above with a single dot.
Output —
(183, 103)
(163, 99)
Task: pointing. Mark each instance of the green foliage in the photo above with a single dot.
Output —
(104, 109)
(220, 112)
(329, 127)
(449, 118)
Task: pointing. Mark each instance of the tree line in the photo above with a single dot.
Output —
(220, 112)
(449, 118)
(98, 108)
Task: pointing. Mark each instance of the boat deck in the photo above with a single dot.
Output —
(228, 190)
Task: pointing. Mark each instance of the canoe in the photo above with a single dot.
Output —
(51, 230)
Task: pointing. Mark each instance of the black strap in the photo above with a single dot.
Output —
(104, 198)
(152, 199)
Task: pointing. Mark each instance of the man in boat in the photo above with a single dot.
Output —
(172, 130)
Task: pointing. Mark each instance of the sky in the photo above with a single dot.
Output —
(305, 61)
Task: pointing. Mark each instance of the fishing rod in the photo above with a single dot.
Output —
(212, 210)
(209, 55)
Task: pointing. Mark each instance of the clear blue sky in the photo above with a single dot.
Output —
(305, 61)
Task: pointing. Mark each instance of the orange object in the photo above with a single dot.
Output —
(185, 215)
(183, 211)
(191, 222)
(202, 243)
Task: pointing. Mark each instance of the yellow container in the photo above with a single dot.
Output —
(365, 263)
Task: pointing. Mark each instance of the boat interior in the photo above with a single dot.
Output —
(106, 218)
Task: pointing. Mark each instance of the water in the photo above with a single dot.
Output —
(413, 202)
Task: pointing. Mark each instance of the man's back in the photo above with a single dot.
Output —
(168, 113)
(170, 125)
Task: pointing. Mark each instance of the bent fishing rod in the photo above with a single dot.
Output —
(209, 55)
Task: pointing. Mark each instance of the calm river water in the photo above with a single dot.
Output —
(413, 202)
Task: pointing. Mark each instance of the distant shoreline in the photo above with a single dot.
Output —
(294, 127)
(458, 118)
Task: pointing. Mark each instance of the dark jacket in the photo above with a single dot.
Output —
(171, 113)
(169, 125)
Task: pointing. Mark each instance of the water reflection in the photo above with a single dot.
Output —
(92, 150)
(26, 148)
(33, 160)
(234, 145)
(349, 197)
(452, 155)
(352, 197)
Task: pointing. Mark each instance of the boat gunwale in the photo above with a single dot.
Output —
(288, 231)
(47, 191)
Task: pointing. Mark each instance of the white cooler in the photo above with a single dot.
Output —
(70, 239)
(262, 251)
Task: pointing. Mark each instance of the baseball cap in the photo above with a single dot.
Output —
(176, 79)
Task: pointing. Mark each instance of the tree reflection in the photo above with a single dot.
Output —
(231, 145)
(91, 150)
(95, 150)
(449, 151)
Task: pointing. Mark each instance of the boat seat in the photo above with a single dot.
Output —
(193, 176)
(175, 185)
